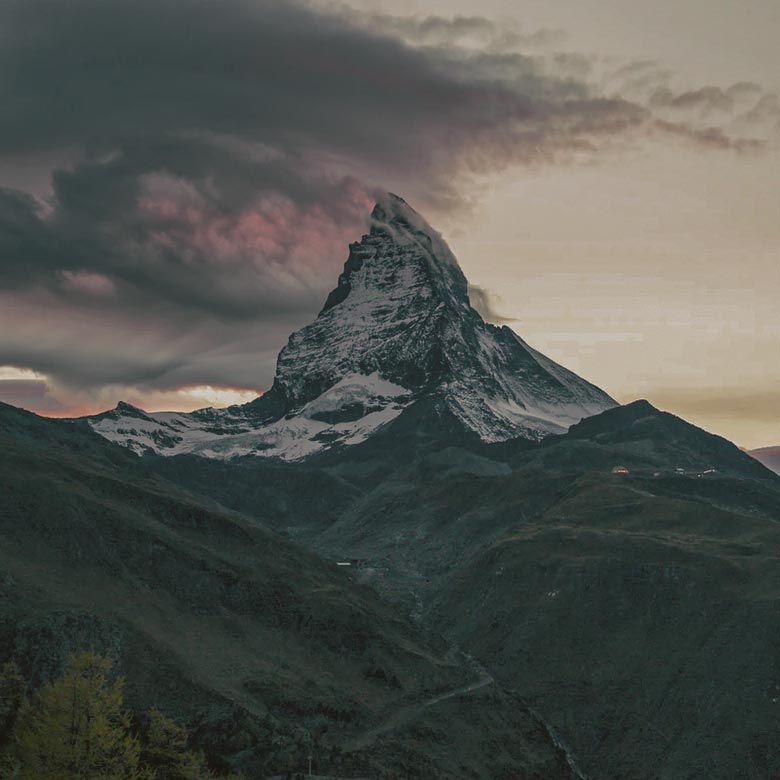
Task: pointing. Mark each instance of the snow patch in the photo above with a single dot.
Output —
(291, 438)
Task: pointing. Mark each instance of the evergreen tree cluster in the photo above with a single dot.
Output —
(76, 728)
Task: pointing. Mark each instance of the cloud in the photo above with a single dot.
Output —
(28, 393)
(704, 98)
(484, 301)
(708, 137)
(210, 162)
(474, 32)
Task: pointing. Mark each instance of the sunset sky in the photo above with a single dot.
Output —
(179, 181)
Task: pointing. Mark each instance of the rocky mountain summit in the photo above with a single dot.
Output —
(397, 329)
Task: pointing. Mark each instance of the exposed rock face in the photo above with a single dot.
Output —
(398, 327)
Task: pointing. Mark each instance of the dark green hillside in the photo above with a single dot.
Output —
(250, 640)
(648, 436)
(638, 614)
(631, 619)
(646, 628)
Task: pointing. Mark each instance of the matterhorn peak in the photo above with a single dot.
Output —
(391, 208)
(397, 328)
(400, 237)
(393, 216)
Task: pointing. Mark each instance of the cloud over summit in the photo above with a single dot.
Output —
(215, 158)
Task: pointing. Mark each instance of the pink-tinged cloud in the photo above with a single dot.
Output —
(272, 247)
(203, 195)
(88, 283)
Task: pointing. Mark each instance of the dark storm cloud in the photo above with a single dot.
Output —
(185, 221)
(97, 73)
(222, 154)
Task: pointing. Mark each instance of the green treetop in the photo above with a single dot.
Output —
(76, 729)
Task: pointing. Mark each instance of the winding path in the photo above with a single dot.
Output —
(404, 715)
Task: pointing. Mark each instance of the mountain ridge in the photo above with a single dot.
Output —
(558, 577)
(227, 626)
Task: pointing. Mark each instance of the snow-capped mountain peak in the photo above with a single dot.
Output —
(385, 313)
(398, 327)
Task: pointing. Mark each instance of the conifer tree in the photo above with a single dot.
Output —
(165, 751)
(76, 729)
(11, 695)
(12, 687)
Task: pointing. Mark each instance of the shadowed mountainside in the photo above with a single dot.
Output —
(636, 613)
(251, 640)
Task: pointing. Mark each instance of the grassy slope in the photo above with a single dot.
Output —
(638, 615)
(645, 628)
(216, 620)
(641, 616)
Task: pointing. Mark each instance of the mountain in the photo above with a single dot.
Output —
(769, 456)
(398, 330)
(636, 614)
(517, 606)
(250, 640)
(577, 623)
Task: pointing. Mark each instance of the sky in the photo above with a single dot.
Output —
(179, 182)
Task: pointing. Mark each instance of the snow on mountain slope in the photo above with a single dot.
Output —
(398, 327)
(346, 413)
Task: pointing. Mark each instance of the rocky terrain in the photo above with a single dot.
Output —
(398, 330)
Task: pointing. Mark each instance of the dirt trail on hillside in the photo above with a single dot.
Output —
(409, 713)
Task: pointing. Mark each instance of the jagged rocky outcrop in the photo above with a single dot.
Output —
(397, 328)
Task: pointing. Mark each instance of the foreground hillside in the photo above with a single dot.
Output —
(262, 648)
(636, 613)
(644, 627)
